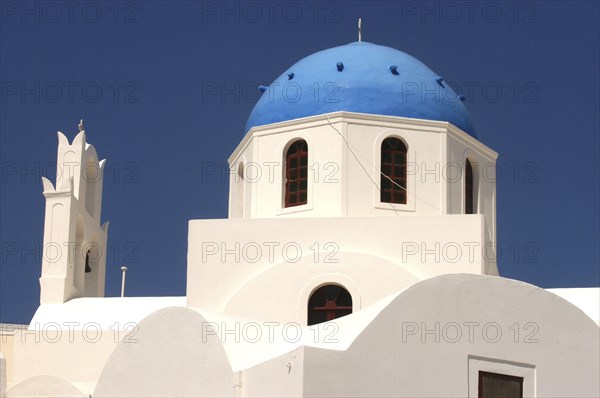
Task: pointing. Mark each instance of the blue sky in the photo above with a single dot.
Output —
(165, 89)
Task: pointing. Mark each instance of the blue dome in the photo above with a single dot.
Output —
(360, 77)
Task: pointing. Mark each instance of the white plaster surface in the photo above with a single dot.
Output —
(170, 357)
(107, 312)
(344, 157)
(517, 329)
(560, 343)
(45, 386)
(3, 380)
(378, 255)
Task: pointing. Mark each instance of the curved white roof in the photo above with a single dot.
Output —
(109, 313)
(117, 312)
(587, 299)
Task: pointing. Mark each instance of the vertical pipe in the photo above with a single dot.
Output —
(359, 29)
(124, 270)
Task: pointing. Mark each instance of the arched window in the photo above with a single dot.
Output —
(328, 302)
(88, 269)
(296, 174)
(469, 189)
(393, 169)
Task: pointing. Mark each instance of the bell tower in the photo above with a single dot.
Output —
(74, 251)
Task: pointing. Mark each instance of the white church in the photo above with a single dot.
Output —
(358, 260)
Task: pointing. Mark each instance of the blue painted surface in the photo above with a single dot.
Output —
(367, 84)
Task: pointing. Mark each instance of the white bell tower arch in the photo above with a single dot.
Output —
(74, 251)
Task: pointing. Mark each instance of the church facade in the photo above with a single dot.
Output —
(358, 259)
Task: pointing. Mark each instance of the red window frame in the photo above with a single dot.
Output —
(296, 174)
(327, 303)
(393, 171)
